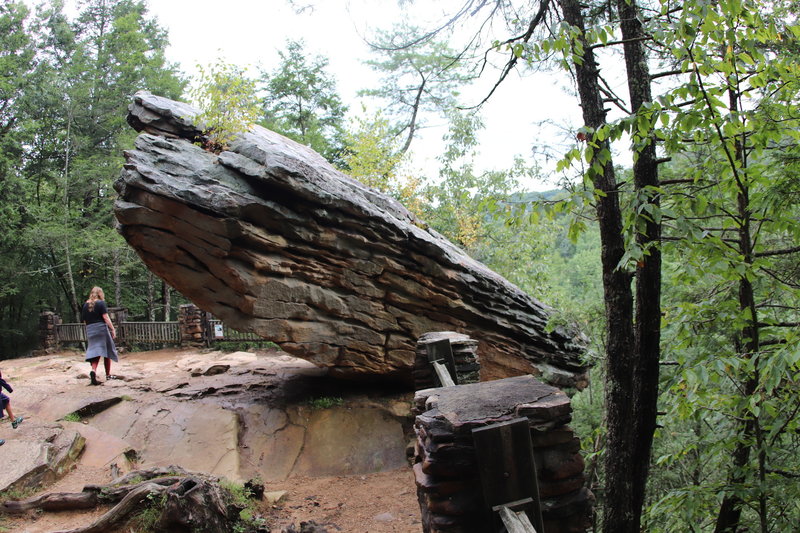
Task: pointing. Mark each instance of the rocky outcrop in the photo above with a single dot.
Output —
(37, 454)
(271, 239)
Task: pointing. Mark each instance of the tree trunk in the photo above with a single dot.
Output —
(72, 294)
(632, 353)
(191, 502)
(647, 321)
(166, 300)
(117, 280)
(151, 298)
(730, 510)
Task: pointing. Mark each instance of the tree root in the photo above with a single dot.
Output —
(120, 512)
(188, 500)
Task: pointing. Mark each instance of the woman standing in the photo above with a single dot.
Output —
(100, 333)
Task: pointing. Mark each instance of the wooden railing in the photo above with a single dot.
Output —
(156, 333)
(150, 332)
(71, 333)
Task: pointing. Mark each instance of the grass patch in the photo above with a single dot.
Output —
(240, 497)
(72, 417)
(145, 520)
(325, 402)
(18, 494)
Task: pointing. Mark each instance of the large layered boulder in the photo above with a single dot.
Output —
(272, 239)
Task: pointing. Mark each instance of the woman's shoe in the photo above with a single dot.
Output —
(93, 377)
(17, 421)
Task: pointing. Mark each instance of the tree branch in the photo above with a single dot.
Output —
(785, 251)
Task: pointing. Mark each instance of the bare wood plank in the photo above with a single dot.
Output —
(442, 351)
(516, 522)
(443, 375)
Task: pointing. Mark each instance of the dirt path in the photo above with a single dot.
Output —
(383, 502)
(376, 503)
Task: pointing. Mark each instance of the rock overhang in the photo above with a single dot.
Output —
(272, 239)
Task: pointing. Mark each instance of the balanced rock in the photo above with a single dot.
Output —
(271, 239)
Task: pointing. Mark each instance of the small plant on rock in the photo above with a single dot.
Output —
(325, 402)
(227, 101)
(241, 497)
(146, 519)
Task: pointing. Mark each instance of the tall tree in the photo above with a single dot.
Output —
(632, 321)
(301, 101)
(737, 230)
(71, 113)
(417, 79)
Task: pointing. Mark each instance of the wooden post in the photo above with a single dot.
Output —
(440, 353)
(515, 522)
(507, 469)
(444, 376)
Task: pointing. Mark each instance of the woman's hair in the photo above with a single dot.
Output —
(95, 294)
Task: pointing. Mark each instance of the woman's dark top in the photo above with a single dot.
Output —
(95, 315)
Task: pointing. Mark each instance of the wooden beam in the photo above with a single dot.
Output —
(516, 522)
(443, 374)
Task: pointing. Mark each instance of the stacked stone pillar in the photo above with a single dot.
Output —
(448, 483)
(192, 324)
(465, 354)
(48, 340)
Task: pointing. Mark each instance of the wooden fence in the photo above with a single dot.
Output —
(149, 333)
(130, 333)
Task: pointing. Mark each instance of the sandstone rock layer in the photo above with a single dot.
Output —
(271, 239)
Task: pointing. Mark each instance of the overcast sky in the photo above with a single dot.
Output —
(250, 33)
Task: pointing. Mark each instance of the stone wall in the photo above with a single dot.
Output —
(446, 471)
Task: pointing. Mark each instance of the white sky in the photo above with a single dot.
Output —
(250, 33)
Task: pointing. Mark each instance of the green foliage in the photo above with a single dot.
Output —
(420, 77)
(227, 99)
(325, 402)
(730, 405)
(18, 494)
(372, 156)
(241, 498)
(63, 96)
(301, 102)
(147, 517)
(72, 417)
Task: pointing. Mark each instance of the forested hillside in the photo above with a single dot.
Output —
(673, 241)
(63, 97)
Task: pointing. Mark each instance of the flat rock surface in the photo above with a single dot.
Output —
(268, 415)
(475, 403)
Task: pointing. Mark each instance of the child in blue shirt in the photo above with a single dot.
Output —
(5, 405)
